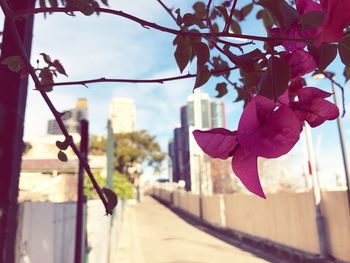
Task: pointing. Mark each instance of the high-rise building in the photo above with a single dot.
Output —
(189, 162)
(123, 115)
(71, 118)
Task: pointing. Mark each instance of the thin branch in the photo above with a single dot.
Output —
(160, 80)
(227, 25)
(147, 24)
(9, 15)
(167, 9)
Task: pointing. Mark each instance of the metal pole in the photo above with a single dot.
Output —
(13, 97)
(321, 230)
(200, 187)
(342, 144)
(79, 231)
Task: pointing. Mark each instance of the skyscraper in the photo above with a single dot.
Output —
(123, 115)
(71, 118)
(189, 161)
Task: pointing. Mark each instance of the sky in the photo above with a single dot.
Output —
(113, 47)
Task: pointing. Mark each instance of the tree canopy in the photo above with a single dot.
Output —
(131, 150)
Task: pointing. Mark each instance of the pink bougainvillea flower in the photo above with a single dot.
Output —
(221, 143)
(295, 30)
(245, 166)
(268, 129)
(301, 62)
(217, 143)
(313, 107)
(337, 18)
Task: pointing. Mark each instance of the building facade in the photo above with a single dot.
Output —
(189, 162)
(123, 115)
(71, 118)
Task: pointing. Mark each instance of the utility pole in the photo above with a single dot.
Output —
(320, 224)
(13, 97)
(80, 230)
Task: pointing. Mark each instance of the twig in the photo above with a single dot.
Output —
(22, 53)
(227, 25)
(161, 80)
(148, 24)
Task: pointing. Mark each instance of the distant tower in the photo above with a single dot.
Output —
(123, 115)
(71, 118)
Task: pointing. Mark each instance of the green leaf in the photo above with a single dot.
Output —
(112, 200)
(179, 19)
(84, 7)
(14, 63)
(62, 156)
(281, 11)
(200, 9)
(242, 94)
(203, 75)
(221, 88)
(190, 20)
(202, 52)
(46, 58)
(105, 2)
(344, 50)
(346, 73)
(64, 145)
(53, 3)
(60, 69)
(312, 19)
(276, 78)
(235, 27)
(246, 10)
(266, 17)
(183, 52)
(324, 54)
(223, 12)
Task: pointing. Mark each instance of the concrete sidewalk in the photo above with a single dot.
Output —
(151, 233)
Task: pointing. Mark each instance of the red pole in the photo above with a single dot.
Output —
(13, 97)
(79, 233)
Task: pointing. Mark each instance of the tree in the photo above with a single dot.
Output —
(137, 148)
(131, 149)
(300, 38)
(121, 186)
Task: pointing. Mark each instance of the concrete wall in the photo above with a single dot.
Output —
(336, 213)
(285, 218)
(213, 208)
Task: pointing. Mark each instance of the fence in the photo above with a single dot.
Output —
(288, 219)
(46, 232)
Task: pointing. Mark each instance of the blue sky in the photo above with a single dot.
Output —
(110, 46)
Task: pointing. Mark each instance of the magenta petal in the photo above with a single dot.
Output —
(245, 166)
(266, 129)
(309, 93)
(301, 63)
(313, 108)
(217, 143)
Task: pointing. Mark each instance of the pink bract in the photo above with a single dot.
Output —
(337, 17)
(313, 108)
(245, 166)
(217, 143)
(267, 129)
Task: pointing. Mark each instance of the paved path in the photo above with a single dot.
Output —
(151, 233)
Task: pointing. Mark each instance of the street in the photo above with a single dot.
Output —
(151, 233)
